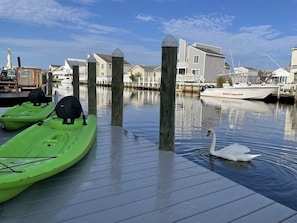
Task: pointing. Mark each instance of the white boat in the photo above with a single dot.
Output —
(257, 92)
(238, 104)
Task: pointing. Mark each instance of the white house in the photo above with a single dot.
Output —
(199, 62)
(245, 75)
(281, 75)
(83, 68)
(65, 71)
(56, 71)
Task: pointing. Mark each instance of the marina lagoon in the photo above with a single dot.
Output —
(267, 129)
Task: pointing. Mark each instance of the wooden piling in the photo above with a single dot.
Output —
(167, 94)
(50, 84)
(92, 96)
(75, 80)
(117, 87)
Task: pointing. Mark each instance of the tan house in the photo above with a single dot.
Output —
(104, 68)
(148, 73)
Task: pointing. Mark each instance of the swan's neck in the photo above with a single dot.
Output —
(213, 144)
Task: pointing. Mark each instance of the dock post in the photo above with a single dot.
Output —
(50, 83)
(117, 87)
(92, 97)
(75, 80)
(167, 94)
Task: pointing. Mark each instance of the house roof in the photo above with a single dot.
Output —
(55, 65)
(108, 58)
(208, 51)
(280, 72)
(78, 62)
(250, 68)
(148, 68)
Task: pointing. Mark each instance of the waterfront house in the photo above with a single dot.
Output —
(281, 76)
(61, 72)
(199, 62)
(104, 68)
(245, 75)
(83, 68)
(56, 71)
(147, 73)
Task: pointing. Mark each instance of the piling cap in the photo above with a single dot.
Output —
(91, 58)
(169, 41)
(117, 53)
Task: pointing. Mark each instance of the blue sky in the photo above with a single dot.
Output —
(257, 33)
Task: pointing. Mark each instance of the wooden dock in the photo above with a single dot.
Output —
(9, 99)
(12, 98)
(126, 178)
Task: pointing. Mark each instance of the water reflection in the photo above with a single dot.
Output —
(268, 129)
(235, 166)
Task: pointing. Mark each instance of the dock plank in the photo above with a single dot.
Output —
(239, 208)
(125, 178)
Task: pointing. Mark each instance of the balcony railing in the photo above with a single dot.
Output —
(181, 65)
(190, 78)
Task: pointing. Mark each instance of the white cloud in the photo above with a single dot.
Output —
(51, 13)
(48, 12)
(264, 31)
(145, 18)
(244, 42)
(85, 2)
(199, 23)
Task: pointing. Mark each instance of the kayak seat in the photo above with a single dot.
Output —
(69, 109)
(37, 96)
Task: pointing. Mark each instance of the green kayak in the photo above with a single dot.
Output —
(27, 113)
(46, 148)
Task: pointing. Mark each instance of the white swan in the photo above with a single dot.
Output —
(234, 152)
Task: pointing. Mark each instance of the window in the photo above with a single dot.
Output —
(182, 71)
(102, 66)
(195, 72)
(196, 59)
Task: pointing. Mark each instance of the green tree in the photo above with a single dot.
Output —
(223, 79)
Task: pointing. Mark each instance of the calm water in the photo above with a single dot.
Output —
(268, 129)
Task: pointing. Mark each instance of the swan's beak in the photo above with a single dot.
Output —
(208, 133)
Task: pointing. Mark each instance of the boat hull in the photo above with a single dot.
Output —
(43, 150)
(246, 92)
(20, 116)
